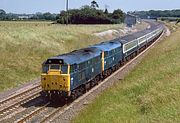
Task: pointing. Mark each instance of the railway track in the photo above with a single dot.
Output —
(41, 114)
(47, 112)
(48, 117)
(14, 101)
(31, 114)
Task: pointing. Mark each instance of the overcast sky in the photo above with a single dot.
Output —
(54, 6)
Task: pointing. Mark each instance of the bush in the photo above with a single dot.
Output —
(90, 15)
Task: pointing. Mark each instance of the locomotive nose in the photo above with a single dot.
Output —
(54, 80)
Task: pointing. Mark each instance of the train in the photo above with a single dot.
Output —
(72, 74)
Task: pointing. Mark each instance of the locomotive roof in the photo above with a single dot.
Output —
(77, 56)
(109, 45)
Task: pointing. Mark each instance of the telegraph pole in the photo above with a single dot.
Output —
(67, 14)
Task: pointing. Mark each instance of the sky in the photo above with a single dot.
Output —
(55, 6)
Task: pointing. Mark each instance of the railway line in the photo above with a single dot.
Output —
(19, 94)
(44, 111)
(31, 114)
(48, 114)
(14, 102)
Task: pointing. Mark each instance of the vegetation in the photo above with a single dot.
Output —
(178, 21)
(149, 93)
(172, 26)
(25, 45)
(43, 16)
(91, 15)
(38, 16)
(158, 13)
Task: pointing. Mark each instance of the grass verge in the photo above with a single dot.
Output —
(149, 93)
(25, 45)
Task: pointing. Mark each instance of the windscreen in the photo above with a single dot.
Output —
(55, 67)
(62, 68)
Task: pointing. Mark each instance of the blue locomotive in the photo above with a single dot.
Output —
(71, 74)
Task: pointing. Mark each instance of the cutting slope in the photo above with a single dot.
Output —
(25, 45)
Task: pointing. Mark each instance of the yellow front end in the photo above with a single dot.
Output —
(53, 80)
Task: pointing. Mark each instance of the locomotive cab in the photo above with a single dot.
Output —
(55, 77)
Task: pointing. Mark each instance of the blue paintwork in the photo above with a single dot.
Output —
(86, 63)
(78, 56)
(85, 71)
(113, 52)
(93, 67)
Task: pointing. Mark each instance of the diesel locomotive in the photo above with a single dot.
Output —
(71, 74)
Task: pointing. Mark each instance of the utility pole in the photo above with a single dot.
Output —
(67, 14)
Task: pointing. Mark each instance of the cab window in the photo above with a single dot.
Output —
(64, 69)
(45, 68)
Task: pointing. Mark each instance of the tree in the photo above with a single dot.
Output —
(2, 12)
(89, 15)
(48, 16)
(117, 14)
(106, 11)
(85, 15)
(94, 4)
(62, 17)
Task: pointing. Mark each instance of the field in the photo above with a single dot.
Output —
(25, 45)
(149, 93)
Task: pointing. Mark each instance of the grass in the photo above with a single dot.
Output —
(172, 25)
(25, 45)
(149, 93)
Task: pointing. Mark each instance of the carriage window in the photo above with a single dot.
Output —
(64, 69)
(45, 68)
(55, 67)
(130, 45)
